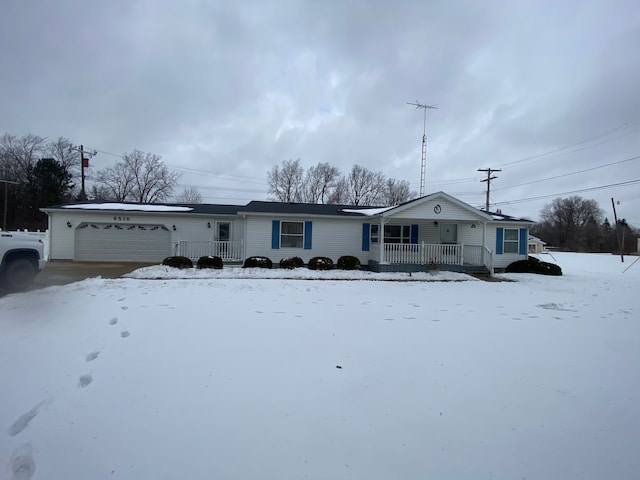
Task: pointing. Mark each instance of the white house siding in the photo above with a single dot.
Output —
(330, 238)
(193, 228)
(503, 260)
(449, 211)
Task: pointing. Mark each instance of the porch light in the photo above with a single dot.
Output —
(208, 224)
(174, 228)
(473, 225)
(68, 224)
(435, 223)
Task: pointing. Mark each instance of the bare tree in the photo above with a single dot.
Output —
(363, 186)
(396, 192)
(188, 195)
(567, 219)
(139, 177)
(285, 182)
(320, 183)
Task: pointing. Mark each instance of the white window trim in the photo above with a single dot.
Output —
(291, 235)
(515, 242)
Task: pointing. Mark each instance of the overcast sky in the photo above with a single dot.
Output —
(224, 90)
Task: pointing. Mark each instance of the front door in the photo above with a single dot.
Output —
(223, 236)
(449, 233)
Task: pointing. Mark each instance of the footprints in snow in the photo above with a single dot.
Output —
(84, 381)
(23, 420)
(22, 465)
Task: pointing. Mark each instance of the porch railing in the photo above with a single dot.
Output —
(228, 251)
(436, 254)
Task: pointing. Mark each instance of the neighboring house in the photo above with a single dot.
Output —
(435, 231)
(536, 245)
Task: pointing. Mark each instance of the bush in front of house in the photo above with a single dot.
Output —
(177, 262)
(257, 262)
(209, 261)
(533, 265)
(291, 262)
(320, 263)
(349, 262)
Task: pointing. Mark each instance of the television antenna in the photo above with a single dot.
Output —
(423, 166)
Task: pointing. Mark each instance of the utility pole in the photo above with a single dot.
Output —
(6, 201)
(423, 166)
(488, 171)
(615, 217)
(84, 163)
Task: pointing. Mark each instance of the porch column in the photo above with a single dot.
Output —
(381, 240)
(484, 241)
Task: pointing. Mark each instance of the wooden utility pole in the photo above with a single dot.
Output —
(488, 171)
(615, 217)
(6, 201)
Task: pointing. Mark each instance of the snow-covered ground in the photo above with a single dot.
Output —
(251, 378)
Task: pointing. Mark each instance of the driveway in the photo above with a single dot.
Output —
(63, 273)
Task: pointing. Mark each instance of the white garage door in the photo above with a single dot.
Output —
(118, 242)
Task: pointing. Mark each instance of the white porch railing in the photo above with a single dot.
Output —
(437, 254)
(228, 251)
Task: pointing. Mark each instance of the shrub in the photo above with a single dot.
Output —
(257, 262)
(320, 263)
(348, 262)
(533, 265)
(177, 262)
(209, 262)
(291, 263)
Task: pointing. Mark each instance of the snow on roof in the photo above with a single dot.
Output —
(368, 211)
(127, 206)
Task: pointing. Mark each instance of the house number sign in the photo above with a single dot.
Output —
(437, 209)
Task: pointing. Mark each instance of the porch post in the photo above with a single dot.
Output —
(381, 240)
(484, 241)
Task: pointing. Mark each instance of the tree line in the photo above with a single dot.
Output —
(578, 224)
(323, 183)
(38, 172)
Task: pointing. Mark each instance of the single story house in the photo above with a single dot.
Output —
(434, 231)
(535, 244)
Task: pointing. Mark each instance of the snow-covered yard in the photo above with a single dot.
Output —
(251, 378)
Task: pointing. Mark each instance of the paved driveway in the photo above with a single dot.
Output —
(63, 273)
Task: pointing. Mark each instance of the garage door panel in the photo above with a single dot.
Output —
(122, 242)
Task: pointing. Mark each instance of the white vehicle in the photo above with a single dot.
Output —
(21, 258)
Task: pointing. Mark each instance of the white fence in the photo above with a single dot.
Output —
(227, 251)
(433, 254)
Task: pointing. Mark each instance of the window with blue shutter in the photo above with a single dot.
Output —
(275, 234)
(414, 233)
(308, 231)
(366, 229)
(499, 240)
(524, 241)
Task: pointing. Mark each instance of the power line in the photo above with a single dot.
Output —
(570, 173)
(601, 187)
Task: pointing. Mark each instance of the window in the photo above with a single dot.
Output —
(392, 233)
(292, 234)
(511, 240)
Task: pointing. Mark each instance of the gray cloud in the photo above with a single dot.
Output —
(232, 88)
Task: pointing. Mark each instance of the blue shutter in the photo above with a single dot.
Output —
(275, 234)
(414, 233)
(524, 241)
(366, 236)
(499, 240)
(307, 235)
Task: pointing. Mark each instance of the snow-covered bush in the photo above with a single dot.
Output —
(348, 262)
(257, 262)
(320, 263)
(177, 262)
(210, 262)
(291, 263)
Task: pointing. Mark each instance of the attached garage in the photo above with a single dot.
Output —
(122, 242)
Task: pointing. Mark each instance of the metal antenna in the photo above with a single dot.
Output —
(423, 167)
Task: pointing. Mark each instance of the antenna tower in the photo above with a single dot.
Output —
(423, 166)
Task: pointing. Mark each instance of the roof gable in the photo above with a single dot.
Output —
(434, 198)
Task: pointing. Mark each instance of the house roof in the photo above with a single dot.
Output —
(281, 208)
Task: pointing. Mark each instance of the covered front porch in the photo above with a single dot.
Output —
(428, 256)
